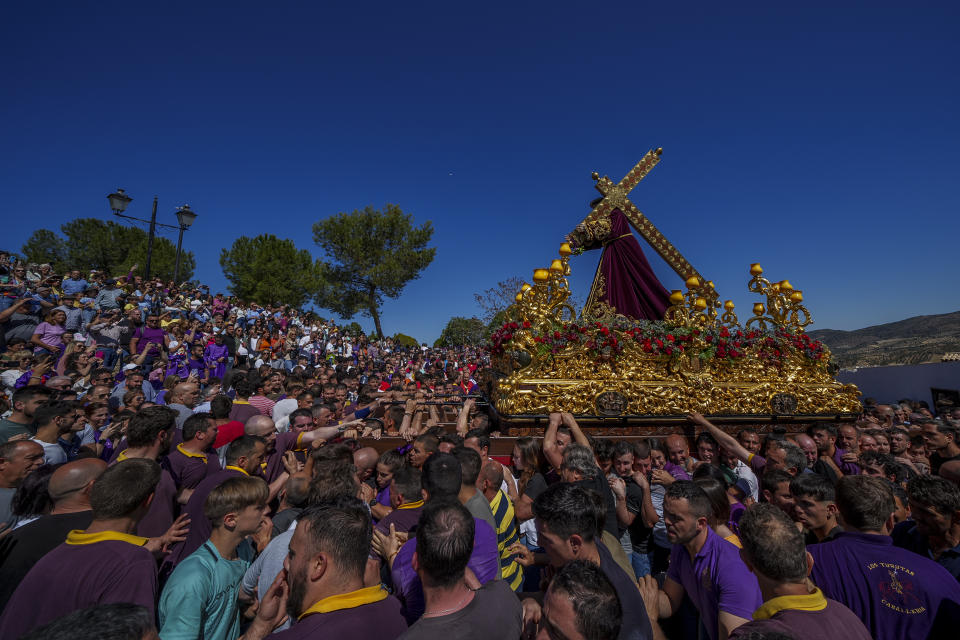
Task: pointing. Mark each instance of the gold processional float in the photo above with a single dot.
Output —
(616, 372)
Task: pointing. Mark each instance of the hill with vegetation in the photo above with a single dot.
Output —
(911, 341)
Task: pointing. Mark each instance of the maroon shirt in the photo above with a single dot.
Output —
(287, 441)
(380, 620)
(200, 528)
(834, 621)
(403, 519)
(188, 469)
(75, 576)
(243, 411)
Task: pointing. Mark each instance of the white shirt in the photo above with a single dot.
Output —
(747, 477)
(52, 453)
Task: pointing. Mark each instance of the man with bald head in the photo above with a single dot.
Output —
(183, 398)
(70, 491)
(365, 460)
(678, 452)
(505, 521)
(279, 444)
(809, 448)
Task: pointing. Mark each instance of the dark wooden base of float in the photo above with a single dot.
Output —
(631, 428)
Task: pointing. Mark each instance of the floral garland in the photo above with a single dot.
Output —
(715, 343)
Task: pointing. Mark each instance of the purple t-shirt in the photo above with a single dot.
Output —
(286, 441)
(380, 620)
(833, 621)
(403, 520)
(484, 562)
(896, 592)
(50, 334)
(75, 576)
(188, 470)
(200, 528)
(163, 509)
(715, 580)
(146, 335)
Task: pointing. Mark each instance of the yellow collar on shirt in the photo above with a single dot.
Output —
(122, 456)
(811, 602)
(190, 454)
(349, 600)
(240, 469)
(411, 505)
(77, 537)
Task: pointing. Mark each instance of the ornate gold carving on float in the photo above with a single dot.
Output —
(699, 358)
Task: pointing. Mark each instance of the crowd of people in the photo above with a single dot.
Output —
(194, 466)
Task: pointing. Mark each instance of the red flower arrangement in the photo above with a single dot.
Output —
(713, 343)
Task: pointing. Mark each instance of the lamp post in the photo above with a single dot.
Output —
(185, 216)
(118, 204)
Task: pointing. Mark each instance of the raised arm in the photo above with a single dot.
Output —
(463, 418)
(550, 449)
(723, 438)
(578, 436)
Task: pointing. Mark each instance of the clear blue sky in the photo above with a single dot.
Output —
(819, 139)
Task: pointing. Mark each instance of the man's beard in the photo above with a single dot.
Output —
(298, 590)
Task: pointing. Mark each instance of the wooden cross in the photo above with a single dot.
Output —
(616, 196)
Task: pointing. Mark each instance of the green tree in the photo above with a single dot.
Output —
(353, 329)
(45, 246)
(403, 340)
(91, 243)
(462, 331)
(267, 270)
(371, 255)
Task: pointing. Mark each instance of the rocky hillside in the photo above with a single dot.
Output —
(911, 341)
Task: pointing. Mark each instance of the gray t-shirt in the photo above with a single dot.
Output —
(494, 612)
(6, 495)
(267, 567)
(480, 508)
(9, 428)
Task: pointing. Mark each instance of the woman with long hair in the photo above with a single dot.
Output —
(47, 338)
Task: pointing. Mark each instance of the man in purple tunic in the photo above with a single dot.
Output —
(191, 460)
(406, 499)
(324, 570)
(104, 564)
(244, 457)
(774, 552)
(895, 592)
(703, 566)
(441, 482)
(215, 356)
(148, 437)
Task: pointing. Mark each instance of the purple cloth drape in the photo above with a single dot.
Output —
(631, 287)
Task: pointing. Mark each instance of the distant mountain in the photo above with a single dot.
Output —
(911, 341)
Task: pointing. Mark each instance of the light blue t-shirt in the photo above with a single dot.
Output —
(200, 598)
